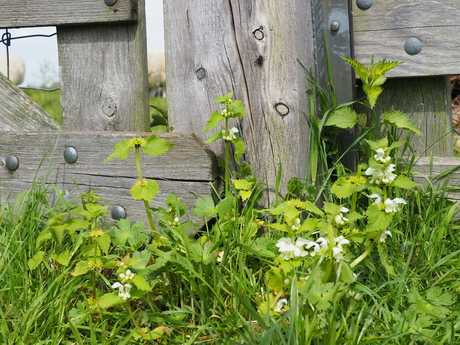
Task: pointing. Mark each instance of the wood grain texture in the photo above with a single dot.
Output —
(26, 13)
(104, 76)
(19, 113)
(249, 48)
(188, 167)
(427, 101)
(383, 29)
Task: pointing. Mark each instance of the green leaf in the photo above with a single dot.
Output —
(80, 268)
(36, 260)
(238, 109)
(275, 279)
(120, 151)
(321, 294)
(399, 120)
(214, 137)
(144, 190)
(344, 188)
(245, 194)
(63, 258)
(343, 118)
(205, 207)
(141, 283)
(242, 184)
(224, 99)
(239, 149)
(213, 121)
(377, 219)
(103, 242)
(373, 94)
(403, 182)
(385, 259)
(157, 146)
(109, 300)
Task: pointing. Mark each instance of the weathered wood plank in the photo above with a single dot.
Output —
(428, 102)
(104, 76)
(26, 13)
(188, 167)
(19, 113)
(383, 29)
(250, 48)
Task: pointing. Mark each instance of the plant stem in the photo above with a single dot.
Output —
(133, 319)
(227, 177)
(363, 255)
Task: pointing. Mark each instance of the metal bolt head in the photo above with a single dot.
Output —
(118, 212)
(70, 155)
(110, 2)
(364, 4)
(335, 25)
(412, 46)
(12, 162)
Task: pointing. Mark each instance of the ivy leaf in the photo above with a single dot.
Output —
(120, 151)
(63, 258)
(377, 219)
(398, 119)
(80, 268)
(239, 149)
(213, 121)
(157, 146)
(36, 260)
(343, 118)
(144, 190)
(403, 182)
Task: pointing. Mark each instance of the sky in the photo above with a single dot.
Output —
(40, 53)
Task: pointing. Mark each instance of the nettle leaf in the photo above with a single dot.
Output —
(373, 94)
(403, 182)
(224, 99)
(398, 119)
(63, 258)
(242, 184)
(245, 194)
(377, 219)
(239, 148)
(109, 300)
(343, 118)
(74, 224)
(238, 108)
(157, 146)
(103, 242)
(344, 188)
(205, 207)
(385, 259)
(275, 279)
(213, 121)
(80, 268)
(141, 283)
(214, 137)
(144, 190)
(36, 260)
(309, 206)
(120, 151)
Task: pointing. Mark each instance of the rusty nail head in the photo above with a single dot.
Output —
(118, 212)
(200, 73)
(335, 25)
(412, 46)
(110, 2)
(364, 4)
(70, 155)
(12, 162)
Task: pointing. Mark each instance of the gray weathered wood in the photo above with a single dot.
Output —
(427, 101)
(27, 13)
(250, 48)
(383, 29)
(19, 113)
(104, 76)
(188, 167)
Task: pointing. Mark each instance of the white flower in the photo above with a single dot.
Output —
(388, 175)
(392, 205)
(321, 246)
(123, 290)
(381, 157)
(339, 219)
(127, 276)
(300, 243)
(340, 241)
(287, 249)
(281, 303)
(231, 134)
(383, 175)
(378, 199)
(384, 235)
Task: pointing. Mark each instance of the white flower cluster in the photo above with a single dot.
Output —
(390, 205)
(381, 156)
(289, 250)
(124, 287)
(339, 219)
(230, 136)
(383, 174)
(227, 113)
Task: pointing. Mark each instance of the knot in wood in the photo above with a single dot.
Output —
(282, 109)
(109, 106)
(200, 73)
(258, 33)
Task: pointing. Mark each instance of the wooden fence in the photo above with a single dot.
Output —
(248, 47)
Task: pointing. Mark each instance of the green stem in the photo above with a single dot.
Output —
(133, 319)
(362, 256)
(354, 197)
(227, 177)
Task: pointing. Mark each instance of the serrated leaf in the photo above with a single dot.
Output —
(245, 194)
(36, 260)
(120, 151)
(343, 118)
(157, 146)
(103, 242)
(205, 207)
(144, 190)
(80, 268)
(377, 219)
(239, 149)
(398, 119)
(342, 188)
(384, 258)
(238, 108)
(309, 206)
(403, 182)
(74, 224)
(109, 300)
(63, 258)
(214, 137)
(242, 184)
(213, 121)
(373, 94)
(141, 283)
(321, 294)
(275, 279)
